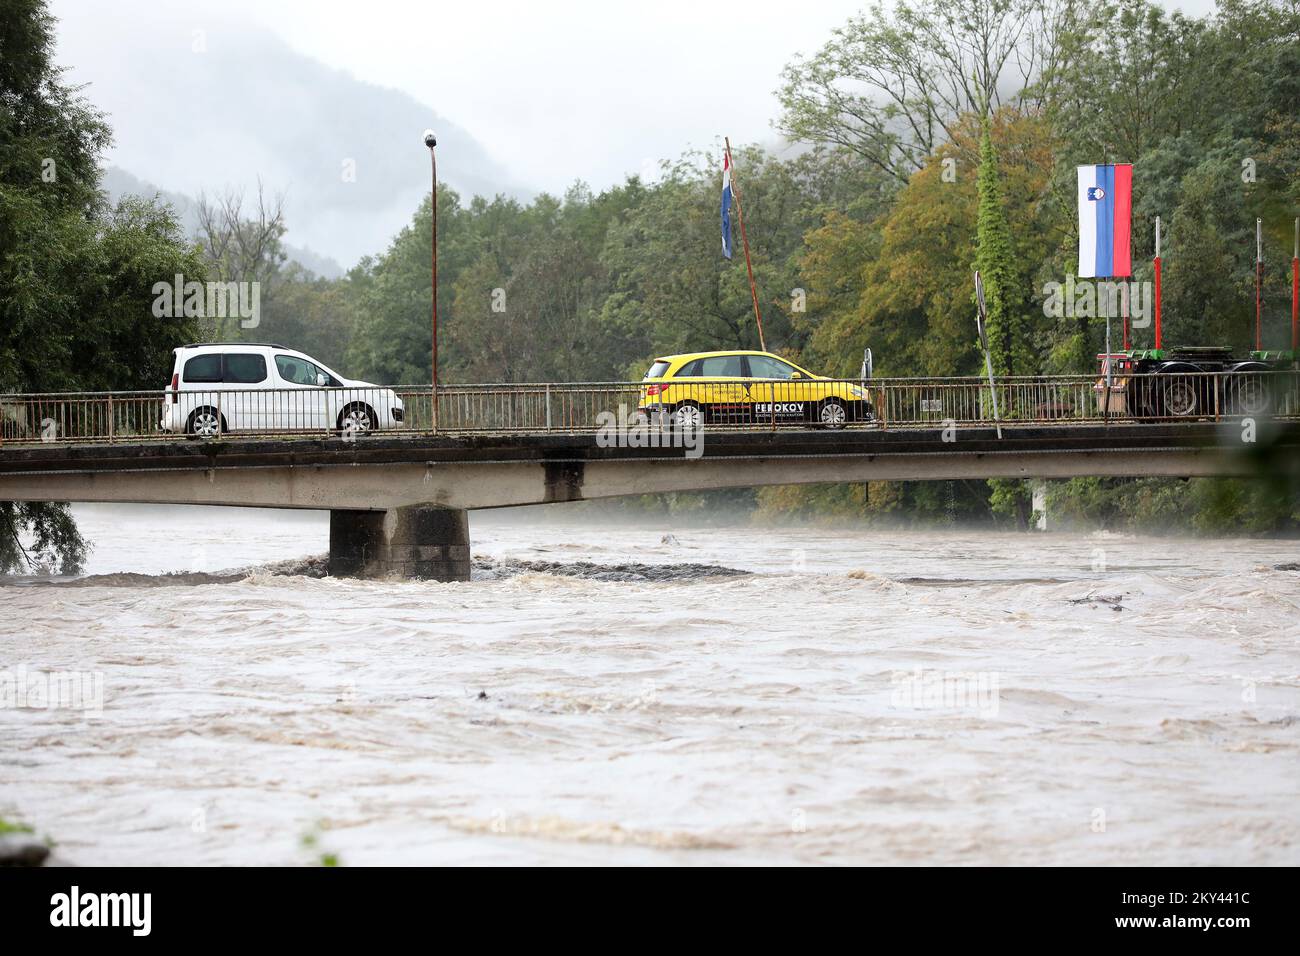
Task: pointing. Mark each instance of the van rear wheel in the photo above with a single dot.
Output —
(205, 423)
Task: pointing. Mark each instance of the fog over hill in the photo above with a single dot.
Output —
(204, 110)
(118, 182)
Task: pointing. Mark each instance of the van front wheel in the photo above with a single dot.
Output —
(358, 418)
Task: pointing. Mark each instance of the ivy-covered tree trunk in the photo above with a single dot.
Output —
(1008, 325)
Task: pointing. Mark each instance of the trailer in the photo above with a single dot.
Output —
(1189, 382)
(1203, 381)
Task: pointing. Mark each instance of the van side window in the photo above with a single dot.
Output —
(203, 368)
(245, 369)
(298, 371)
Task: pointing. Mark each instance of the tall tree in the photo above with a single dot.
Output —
(76, 278)
(1008, 326)
(891, 85)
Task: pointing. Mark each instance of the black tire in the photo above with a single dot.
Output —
(687, 415)
(205, 422)
(357, 418)
(832, 414)
(1248, 394)
(1181, 397)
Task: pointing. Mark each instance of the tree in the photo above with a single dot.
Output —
(76, 278)
(891, 85)
(242, 247)
(1008, 327)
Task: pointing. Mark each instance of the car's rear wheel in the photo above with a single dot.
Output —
(832, 414)
(205, 423)
(688, 415)
(358, 418)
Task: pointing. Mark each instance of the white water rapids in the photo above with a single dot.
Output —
(862, 697)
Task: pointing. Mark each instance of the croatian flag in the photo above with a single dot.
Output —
(1105, 214)
(726, 205)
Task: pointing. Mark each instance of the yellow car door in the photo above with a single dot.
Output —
(715, 386)
(781, 392)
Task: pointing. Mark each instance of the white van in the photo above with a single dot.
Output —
(241, 386)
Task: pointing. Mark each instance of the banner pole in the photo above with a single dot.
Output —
(740, 214)
(1259, 267)
(1123, 306)
(1295, 297)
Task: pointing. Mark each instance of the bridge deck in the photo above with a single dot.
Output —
(235, 451)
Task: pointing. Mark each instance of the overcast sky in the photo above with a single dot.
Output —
(551, 91)
(557, 90)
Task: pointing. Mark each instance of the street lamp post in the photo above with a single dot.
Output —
(431, 141)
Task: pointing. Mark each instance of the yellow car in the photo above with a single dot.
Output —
(736, 388)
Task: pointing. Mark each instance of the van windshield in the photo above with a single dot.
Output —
(657, 370)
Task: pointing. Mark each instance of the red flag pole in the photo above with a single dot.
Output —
(740, 213)
(1157, 265)
(1123, 304)
(1295, 297)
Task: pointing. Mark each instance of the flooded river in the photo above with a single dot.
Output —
(618, 694)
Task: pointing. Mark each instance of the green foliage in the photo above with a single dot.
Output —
(52, 542)
(1008, 329)
(1173, 505)
(76, 278)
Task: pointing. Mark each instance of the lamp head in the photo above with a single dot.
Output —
(429, 139)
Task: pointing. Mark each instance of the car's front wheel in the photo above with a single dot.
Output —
(832, 414)
(358, 419)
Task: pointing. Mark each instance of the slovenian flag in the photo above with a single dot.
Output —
(726, 205)
(1105, 215)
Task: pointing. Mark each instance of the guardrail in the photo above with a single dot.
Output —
(588, 407)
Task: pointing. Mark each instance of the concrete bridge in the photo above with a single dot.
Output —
(399, 504)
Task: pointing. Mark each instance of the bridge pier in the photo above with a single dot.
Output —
(412, 542)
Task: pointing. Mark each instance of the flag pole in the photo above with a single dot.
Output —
(1259, 268)
(1295, 297)
(740, 213)
(1123, 308)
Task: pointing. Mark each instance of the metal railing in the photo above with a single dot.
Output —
(212, 412)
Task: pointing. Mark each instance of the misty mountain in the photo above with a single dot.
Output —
(204, 110)
(118, 183)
